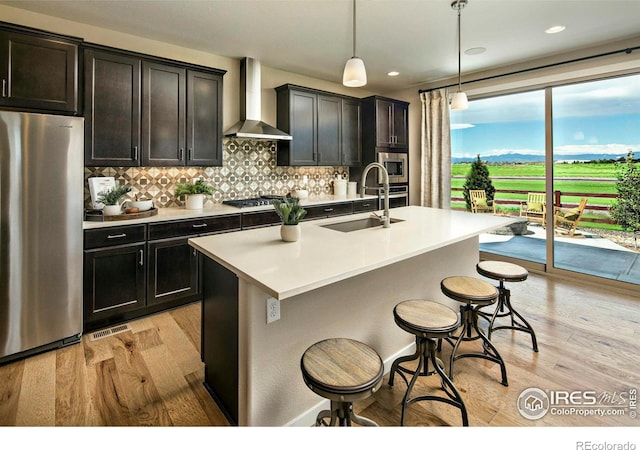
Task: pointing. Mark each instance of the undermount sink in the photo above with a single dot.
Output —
(358, 224)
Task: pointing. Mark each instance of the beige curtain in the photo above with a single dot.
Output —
(435, 190)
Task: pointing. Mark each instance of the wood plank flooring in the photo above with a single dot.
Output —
(151, 375)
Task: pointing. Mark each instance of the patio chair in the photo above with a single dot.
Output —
(534, 208)
(565, 220)
(479, 202)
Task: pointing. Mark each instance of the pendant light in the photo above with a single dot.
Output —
(459, 99)
(354, 74)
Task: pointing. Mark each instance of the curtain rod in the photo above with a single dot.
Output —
(628, 51)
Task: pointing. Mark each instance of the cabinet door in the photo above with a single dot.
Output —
(173, 271)
(163, 115)
(112, 109)
(350, 144)
(114, 282)
(384, 121)
(303, 129)
(204, 119)
(38, 73)
(400, 125)
(329, 125)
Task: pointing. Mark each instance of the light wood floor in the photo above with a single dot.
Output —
(589, 340)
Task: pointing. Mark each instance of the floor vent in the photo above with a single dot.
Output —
(109, 332)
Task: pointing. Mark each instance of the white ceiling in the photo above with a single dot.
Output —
(314, 37)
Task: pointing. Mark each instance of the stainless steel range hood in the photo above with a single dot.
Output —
(250, 125)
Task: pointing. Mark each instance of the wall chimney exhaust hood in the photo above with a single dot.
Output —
(250, 125)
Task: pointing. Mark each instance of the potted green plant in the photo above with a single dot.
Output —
(290, 212)
(111, 199)
(194, 193)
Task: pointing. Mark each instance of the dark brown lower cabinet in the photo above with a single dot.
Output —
(114, 283)
(173, 271)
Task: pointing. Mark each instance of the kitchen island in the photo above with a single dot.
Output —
(328, 284)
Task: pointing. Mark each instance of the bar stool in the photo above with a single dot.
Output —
(343, 371)
(428, 321)
(474, 294)
(504, 271)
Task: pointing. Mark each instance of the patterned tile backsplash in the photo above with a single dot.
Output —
(248, 170)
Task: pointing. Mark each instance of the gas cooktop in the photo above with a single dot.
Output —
(255, 201)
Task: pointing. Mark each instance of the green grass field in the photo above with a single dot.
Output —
(585, 187)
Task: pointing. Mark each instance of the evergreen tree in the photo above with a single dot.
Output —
(626, 210)
(478, 178)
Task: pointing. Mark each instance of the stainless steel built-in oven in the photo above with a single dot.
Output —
(398, 197)
(396, 165)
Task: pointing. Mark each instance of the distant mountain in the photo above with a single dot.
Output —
(523, 158)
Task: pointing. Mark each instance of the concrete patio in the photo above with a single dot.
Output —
(587, 253)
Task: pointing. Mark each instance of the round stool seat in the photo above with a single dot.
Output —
(503, 271)
(469, 290)
(342, 369)
(428, 321)
(426, 318)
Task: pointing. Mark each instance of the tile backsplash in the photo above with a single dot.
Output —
(248, 170)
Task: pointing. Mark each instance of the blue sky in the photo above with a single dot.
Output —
(596, 117)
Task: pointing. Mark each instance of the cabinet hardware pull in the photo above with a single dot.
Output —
(201, 225)
(195, 253)
(328, 209)
(189, 154)
(4, 87)
(141, 262)
(135, 153)
(180, 154)
(365, 205)
(116, 236)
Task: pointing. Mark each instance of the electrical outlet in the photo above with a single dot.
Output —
(273, 310)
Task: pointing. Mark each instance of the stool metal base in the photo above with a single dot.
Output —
(504, 302)
(425, 352)
(342, 413)
(469, 314)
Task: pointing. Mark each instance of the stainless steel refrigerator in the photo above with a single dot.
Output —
(41, 207)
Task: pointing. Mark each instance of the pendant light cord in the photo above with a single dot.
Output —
(354, 28)
(459, 55)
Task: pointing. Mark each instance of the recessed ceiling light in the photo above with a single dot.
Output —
(393, 73)
(475, 51)
(555, 29)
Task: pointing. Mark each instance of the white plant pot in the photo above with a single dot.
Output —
(290, 233)
(195, 201)
(112, 210)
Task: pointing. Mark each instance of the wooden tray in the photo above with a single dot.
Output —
(95, 215)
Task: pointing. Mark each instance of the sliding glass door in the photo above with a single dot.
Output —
(507, 133)
(555, 158)
(595, 126)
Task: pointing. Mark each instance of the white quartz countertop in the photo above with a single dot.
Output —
(323, 256)
(165, 214)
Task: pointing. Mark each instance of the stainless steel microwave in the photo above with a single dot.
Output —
(396, 165)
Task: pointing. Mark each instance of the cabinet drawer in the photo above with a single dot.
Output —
(260, 219)
(107, 237)
(206, 225)
(365, 205)
(335, 209)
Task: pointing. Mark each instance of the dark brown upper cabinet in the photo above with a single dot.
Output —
(142, 111)
(112, 109)
(325, 128)
(39, 72)
(390, 120)
(181, 116)
(164, 107)
(204, 119)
